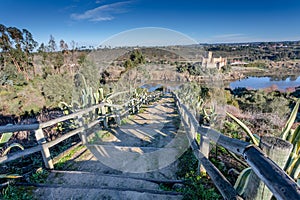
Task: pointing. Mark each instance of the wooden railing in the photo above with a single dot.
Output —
(118, 112)
(281, 185)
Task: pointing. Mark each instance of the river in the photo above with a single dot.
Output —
(251, 82)
(265, 82)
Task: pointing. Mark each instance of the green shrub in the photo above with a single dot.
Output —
(195, 190)
(12, 193)
(197, 185)
(257, 64)
(57, 88)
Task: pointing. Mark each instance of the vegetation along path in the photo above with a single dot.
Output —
(126, 162)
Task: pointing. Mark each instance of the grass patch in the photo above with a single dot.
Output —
(176, 121)
(166, 187)
(99, 135)
(62, 161)
(12, 192)
(126, 120)
(220, 157)
(198, 186)
(39, 176)
(143, 108)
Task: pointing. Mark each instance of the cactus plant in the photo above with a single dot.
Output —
(4, 139)
(242, 181)
(293, 136)
(245, 128)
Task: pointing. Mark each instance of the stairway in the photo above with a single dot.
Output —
(127, 162)
(89, 185)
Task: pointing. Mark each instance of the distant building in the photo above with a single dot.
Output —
(211, 62)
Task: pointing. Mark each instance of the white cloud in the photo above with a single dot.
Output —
(102, 13)
(98, 19)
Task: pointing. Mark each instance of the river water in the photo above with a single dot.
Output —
(251, 82)
(265, 82)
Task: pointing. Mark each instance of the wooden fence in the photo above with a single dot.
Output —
(117, 112)
(281, 185)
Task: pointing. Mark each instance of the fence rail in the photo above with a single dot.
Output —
(281, 185)
(133, 105)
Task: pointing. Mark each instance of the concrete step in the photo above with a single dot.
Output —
(59, 192)
(128, 163)
(136, 135)
(92, 179)
(137, 159)
(92, 185)
(137, 149)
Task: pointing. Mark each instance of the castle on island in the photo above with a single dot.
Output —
(210, 62)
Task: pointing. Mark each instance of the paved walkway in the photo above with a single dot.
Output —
(126, 162)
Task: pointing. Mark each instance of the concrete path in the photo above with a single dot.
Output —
(127, 162)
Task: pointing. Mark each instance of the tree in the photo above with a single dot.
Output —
(5, 43)
(73, 47)
(52, 44)
(82, 58)
(63, 46)
(42, 50)
(16, 35)
(128, 64)
(29, 44)
(137, 57)
(11, 39)
(58, 62)
(17, 46)
(64, 50)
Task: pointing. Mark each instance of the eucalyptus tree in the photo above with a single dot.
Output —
(42, 50)
(5, 43)
(16, 48)
(52, 44)
(64, 51)
(29, 44)
(63, 46)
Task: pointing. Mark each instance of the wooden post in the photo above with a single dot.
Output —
(193, 129)
(126, 107)
(138, 105)
(132, 106)
(39, 135)
(185, 118)
(103, 114)
(146, 100)
(118, 118)
(277, 150)
(105, 120)
(204, 148)
(83, 133)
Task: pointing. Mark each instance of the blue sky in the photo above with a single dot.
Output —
(91, 22)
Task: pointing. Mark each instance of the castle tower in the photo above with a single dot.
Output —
(210, 60)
